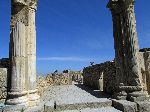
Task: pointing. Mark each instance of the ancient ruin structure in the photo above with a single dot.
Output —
(126, 50)
(126, 78)
(22, 70)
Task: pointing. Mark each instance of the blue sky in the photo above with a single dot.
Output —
(72, 33)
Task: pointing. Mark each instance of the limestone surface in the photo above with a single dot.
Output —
(72, 97)
(3, 83)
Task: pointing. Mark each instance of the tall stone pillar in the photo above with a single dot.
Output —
(131, 43)
(31, 56)
(119, 48)
(23, 54)
(17, 93)
(131, 51)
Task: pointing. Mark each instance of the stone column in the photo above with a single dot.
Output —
(17, 93)
(131, 51)
(31, 56)
(23, 54)
(128, 42)
(131, 43)
(116, 11)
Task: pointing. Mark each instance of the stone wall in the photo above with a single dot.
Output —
(4, 65)
(77, 76)
(62, 79)
(100, 76)
(145, 68)
(43, 82)
(103, 76)
(3, 83)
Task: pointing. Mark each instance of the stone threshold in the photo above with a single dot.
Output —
(54, 106)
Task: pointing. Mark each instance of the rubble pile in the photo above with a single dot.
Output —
(3, 83)
(41, 84)
(105, 71)
(49, 80)
(52, 80)
(62, 79)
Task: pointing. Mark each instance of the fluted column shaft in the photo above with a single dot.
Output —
(116, 11)
(22, 80)
(17, 94)
(129, 49)
(31, 58)
(131, 43)
(118, 45)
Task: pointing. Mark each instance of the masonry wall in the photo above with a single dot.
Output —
(144, 62)
(100, 76)
(3, 83)
(53, 80)
(4, 65)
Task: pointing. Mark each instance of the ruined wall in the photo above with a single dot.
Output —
(43, 82)
(101, 76)
(62, 79)
(3, 83)
(4, 65)
(145, 68)
(77, 76)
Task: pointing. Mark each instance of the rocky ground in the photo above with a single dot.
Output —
(76, 98)
(71, 93)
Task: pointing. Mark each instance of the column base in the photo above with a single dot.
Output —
(17, 98)
(120, 95)
(138, 96)
(34, 98)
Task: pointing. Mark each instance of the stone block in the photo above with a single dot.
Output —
(124, 105)
(59, 106)
(143, 106)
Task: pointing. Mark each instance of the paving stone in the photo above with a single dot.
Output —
(71, 97)
(124, 105)
(103, 109)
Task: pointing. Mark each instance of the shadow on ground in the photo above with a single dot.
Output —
(96, 93)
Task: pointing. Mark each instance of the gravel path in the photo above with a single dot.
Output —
(71, 94)
(76, 94)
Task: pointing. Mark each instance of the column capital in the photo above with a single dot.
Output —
(114, 6)
(127, 3)
(30, 3)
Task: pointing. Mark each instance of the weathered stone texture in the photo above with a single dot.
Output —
(145, 68)
(128, 61)
(42, 84)
(3, 83)
(124, 105)
(62, 79)
(22, 54)
(52, 80)
(143, 106)
(98, 75)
